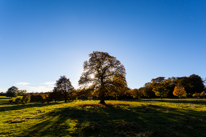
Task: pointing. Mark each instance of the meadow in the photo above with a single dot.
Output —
(82, 118)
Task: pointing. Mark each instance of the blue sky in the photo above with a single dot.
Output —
(41, 40)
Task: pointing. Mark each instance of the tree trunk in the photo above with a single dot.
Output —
(102, 91)
(65, 100)
(102, 97)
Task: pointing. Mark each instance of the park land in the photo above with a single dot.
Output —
(132, 118)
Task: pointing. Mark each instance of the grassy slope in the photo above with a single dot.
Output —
(5, 100)
(185, 118)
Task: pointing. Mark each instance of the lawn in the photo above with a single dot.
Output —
(143, 118)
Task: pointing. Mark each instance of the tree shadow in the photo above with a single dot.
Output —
(24, 106)
(195, 101)
(119, 120)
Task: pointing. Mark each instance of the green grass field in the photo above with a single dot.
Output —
(143, 118)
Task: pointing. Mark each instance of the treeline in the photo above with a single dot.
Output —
(192, 86)
(104, 77)
(161, 87)
(14, 94)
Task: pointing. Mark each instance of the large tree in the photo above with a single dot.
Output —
(65, 87)
(12, 92)
(99, 72)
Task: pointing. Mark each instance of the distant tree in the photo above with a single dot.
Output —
(136, 93)
(12, 92)
(65, 87)
(158, 79)
(55, 94)
(196, 83)
(179, 91)
(26, 98)
(99, 71)
(170, 85)
(21, 92)
(33, 97)
(17, 100)
(147, 90)
(118, 88)
(160, 89)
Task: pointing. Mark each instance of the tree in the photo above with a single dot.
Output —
(99, 71)
(179, 91)
(160, 89)
(55, 95)
(136, 93)
(26, 98)
(118, 88)
(21, 92)
(12, 92)
(147, 90)
(65, 87)
(196, 83)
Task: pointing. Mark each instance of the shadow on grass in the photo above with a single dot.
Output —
(191, 101)
(119, 120)
(24, 106)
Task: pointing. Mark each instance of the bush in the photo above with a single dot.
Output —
(202, 94)
(90, 98)
(26, 98)
(11, 101)
(196, 95)
(17, 100)
(189, 95)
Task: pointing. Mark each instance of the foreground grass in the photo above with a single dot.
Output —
(166, 118)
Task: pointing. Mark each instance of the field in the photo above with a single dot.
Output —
(133, 118)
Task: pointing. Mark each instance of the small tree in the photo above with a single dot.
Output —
(65, 87)
(17, 100)
(26, 98)
(179, 91)
(12, 92)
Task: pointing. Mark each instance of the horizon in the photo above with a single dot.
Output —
(42, 40)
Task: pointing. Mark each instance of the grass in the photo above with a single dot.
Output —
(5, 100)
(134, 118)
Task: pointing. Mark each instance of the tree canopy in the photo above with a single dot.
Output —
(65, 87)
(12, 92)
(99, 72)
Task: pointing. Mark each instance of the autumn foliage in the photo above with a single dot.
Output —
(179, 91)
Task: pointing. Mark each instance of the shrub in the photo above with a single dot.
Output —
(17, 100)
(189, 95)
(26, 98)
(202, 94)
(196, 95)
(11, 101)
(90, 98)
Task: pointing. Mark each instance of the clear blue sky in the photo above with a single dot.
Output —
(41, 40)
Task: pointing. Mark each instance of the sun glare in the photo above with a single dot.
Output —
(92, 76)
